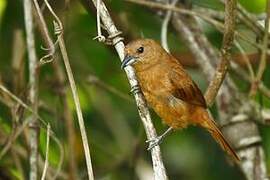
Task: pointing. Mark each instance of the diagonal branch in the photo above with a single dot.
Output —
(228, 37)
(158, 166)
(60, 79)
(78, 108)
(58, 28)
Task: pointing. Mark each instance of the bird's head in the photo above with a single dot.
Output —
(142, 53)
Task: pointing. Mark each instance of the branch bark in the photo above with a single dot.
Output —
(33, 92)
(228, 38)
(158, 166)
(78, 108)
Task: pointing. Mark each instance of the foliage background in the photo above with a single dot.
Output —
(115, 132)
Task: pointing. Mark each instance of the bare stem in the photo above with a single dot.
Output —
(45, 34)
(92, 79)
(33, 93)
(46, 153)
(99, 37)
(25, 123)
(228, 37)
(78, 108)
(246, 60)
(164, 28)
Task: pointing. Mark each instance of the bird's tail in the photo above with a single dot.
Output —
(211, 126)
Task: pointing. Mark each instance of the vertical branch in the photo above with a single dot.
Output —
(158, 166)
(228, 37)
(33, 92)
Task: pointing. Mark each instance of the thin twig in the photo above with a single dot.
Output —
(46, 153)
(264, 90)
(68, 118)
(262, 65)
(250, 20)
(246, 60)
(239, 71)
(78, 108)
(58, 28)
(19, 101)
(20, 130)
(33, 92)
(187, 27)
(45, 34)
(99, 37)
(164, 28)
(219, 15)
(92, 79)
(228, 38)
(61, 152)
(158, 166)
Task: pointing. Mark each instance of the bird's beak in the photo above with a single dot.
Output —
(128, 60)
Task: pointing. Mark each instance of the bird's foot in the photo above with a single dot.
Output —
(154, 142)
(135, 89)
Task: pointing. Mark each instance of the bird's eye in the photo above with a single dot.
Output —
(140, 50)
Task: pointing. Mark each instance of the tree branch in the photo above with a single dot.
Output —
(158, 166)
(33, 93)
(228, 37)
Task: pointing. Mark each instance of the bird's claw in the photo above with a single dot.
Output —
(153, 142)
(135, 89)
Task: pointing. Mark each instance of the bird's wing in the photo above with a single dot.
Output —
(184, 88)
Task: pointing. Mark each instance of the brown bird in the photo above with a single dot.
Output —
(170, 91)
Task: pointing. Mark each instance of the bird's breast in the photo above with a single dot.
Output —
(156, 88)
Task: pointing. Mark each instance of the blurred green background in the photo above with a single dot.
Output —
(116, 135)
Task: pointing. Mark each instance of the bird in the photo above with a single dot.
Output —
(170, 91)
